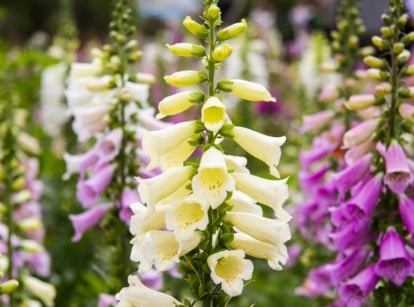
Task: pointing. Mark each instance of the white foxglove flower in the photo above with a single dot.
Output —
(263, 147)
(271, 193)
(276, 255)
(240, 202)
(186, 216)
(146, 219)
(79, 70)
(53, 114)
(212, 181)
(213, 114)
(159, 143)
(137, 294)
(236, 164)
(164, 249)
(261, 228)
(229, 268)
(247, 90)
(42, 290)
(155, 189)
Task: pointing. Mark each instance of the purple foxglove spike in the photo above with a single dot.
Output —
(86, 220)
(398, 175)
(39, 262)
(127, 198)
(346, 267)
(316, 120)
(394, 262)
(106, 300)
(88, 191)
(108, 148)
(152, 279)
(355, 291)
(79, 163)
(347, 178)
(307, 158)
(310, 180)
(143, 158)
(355, 234)
(406, 208)
(362, 204)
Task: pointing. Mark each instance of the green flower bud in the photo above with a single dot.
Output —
(135, 56)
(222, 52)
(9, 286)
(376, 74)
(185, 78)
(374, 62)
(402, 21)
(408, 70)
(131, 45)
(198, 30)
(386, 19)
(353, 41)
(380, 43)
(187, 50)
(232, 31)
(404, 92)
(397, 48)
(408, 39)
(386, 32)
(213, 14)
(403, 57)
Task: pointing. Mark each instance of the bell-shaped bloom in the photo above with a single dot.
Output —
(212, 181)
(316, 121)
(310, 180)
(146, 219)
(352, 174)
(397, 173)
(88, 191)
(247, 90)
(263, 147)
(271, 193)
(39, 262)
(276, 255)
(360, 102)
(128, 197)
(352, 234)
(229, 268)
(394, 262)
(90, 119)
(163, 249)
(185, 78)
(186, 216)
(406, 208)
(360, 133)
(155, 189)
(353, 154)
(137, 294)
(355, 290)
(240, 202)
(213, 114)
(236, 164)
(42, 290)
(159, 143)
(177, 103)
(108, 147)
(261, 228)
(86, 220)
(363, 203)
(152, 279)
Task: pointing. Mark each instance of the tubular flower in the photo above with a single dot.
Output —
(263, 147)
(247, 90)
(229, 268)
(212, 182)
(177, 103)
(213, 114)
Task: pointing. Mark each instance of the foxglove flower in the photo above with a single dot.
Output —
(229, 268)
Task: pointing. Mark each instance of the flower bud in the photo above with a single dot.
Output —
(376, 74)
(198, 30)
(386, 32)
(246, 90)
(9, 286)
(187, 50)
(408, 70)
(213, 14)
(404, 92)
(185, 78)
(31, 246)
(135, 56)
(22, 197)
(398, 48)
(360, 102)
(383, 88)
(380, 43)
(232, 31)
(403, 57)
(408, 39)
(30, 224)
(221, 53)
(145, 78)
(407, 112)
(402, 21)
(374, 62)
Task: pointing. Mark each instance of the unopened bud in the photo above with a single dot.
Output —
(408, 39)
(125, 95)
(145, 78)
(376, 74)
(402, 21)
(198, 30)
(360, 102)
(232, 31)
(221, 53)
(398, 48)
(386, 32)
(9, 286)
(185, 78)
(22, 197)
(380, 43)
(383, 88)
(187, 50)
(403, 57)
(213, 14)
(374, 62)
(30, 224)
(409, 70)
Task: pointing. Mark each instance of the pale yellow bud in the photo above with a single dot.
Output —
(195, 28)
(9, 286)
(246, 90)
(185, 78)
(187, 50)
(232, 31)
(222, 52)
(360, 102)
(30, 224)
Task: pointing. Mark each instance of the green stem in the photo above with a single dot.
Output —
(211, 63)
(10, 226)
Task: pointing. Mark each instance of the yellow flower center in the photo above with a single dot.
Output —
(213, 179)
(214, 115)
(229, 268)
(188, 214)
